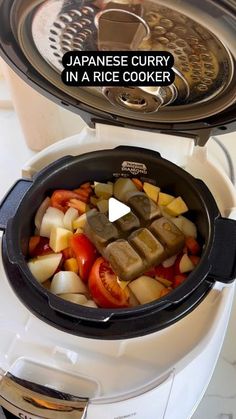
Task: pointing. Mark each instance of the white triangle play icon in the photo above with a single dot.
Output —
(116, 209)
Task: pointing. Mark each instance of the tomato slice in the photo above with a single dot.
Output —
(85, 253)
(104, 287)
(61, 197)
(166, 273)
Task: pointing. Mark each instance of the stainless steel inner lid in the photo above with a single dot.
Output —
(205, 81)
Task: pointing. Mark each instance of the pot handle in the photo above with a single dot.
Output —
(11, 201)
(223, 257)
(140, 150)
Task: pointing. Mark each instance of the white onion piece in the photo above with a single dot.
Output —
(75, 298)
(185, 264)
(52, 217)
(187, 227)
(169, 262)
(70, 216)
(90, 303)
(43, 267)
(146, 289)
(41, 211)
(67, 282)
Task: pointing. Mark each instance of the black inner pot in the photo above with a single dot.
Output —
(103, 166)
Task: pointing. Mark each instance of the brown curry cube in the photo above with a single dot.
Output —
(148, 246)
(170, 235)
(124, 260)
(144, 207)
(100, 230)
(128, 222)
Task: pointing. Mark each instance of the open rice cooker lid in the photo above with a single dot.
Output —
(35, 34)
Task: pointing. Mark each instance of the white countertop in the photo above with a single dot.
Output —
(219, 401)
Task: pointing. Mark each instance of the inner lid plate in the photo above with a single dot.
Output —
(204, 61)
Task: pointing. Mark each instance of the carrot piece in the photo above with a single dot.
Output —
(33, 242)
(192, 246)
(165, 291)
(137, 183)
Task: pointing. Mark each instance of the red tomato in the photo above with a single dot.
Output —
(85, 254)
(104, 287)
(166, 273)
(192, 246)
(39, 246)
(61, 197)
(178, 280)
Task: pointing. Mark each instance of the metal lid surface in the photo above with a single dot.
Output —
(200, 35)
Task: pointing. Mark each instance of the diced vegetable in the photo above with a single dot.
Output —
(103, 190)
(81, 220)
(192, 245)
(61, 197)
(70, 216)
(81, 206)
(85, 254)
(39, 246)
(179, 279)
(151, 191)
(165, 199)
(53, 217)
(186, 226)
(71, 265)
(185, 264)
(164, 281)
(166, 273)
(103, 205)
(194, 259)
(41, 211)
(33, 242)
(75, 298)
(67, 282)
(176, 207)
(138, 183)
(169, 262)
(91, 304)
(43, 267)
(146, 289)
(165, 291)
(124, 188)
(59, 239)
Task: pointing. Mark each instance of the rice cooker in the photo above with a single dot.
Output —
(61, 360)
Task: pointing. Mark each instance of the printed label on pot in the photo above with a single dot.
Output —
(134, 167)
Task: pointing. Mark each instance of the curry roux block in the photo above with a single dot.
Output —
(144, 207)
(148, 246)
(124, 260)
(170, 236)
(100, 230)
(128, 222)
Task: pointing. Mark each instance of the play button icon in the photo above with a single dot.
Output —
(116, 209)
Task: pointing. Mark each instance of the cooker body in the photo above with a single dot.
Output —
(106, 165)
